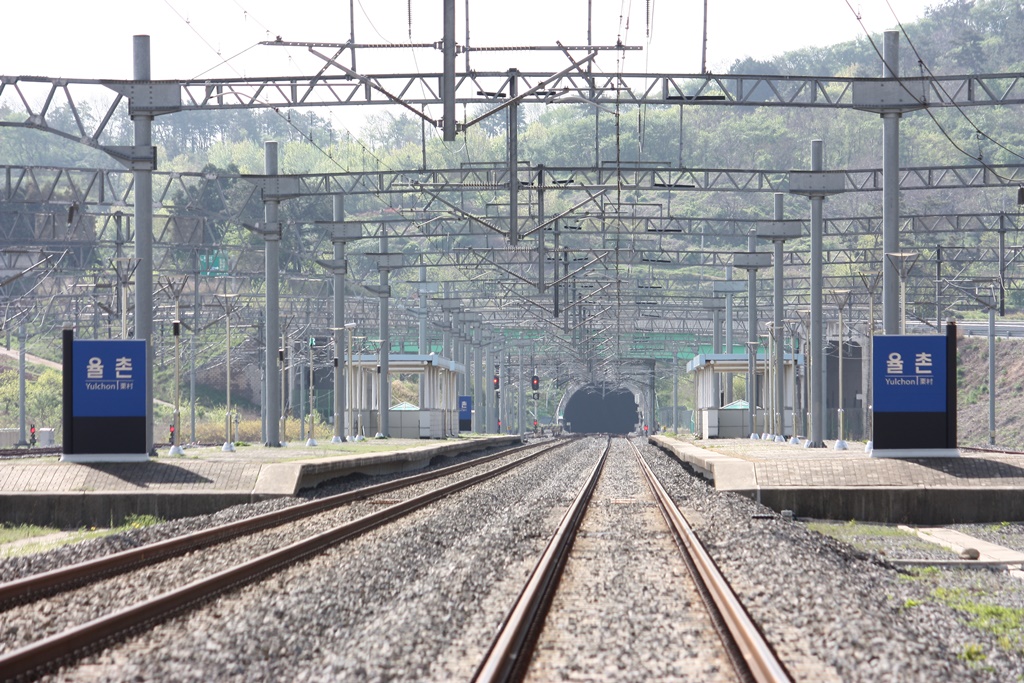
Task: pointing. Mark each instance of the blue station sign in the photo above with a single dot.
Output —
(465, 407)
(910, 373)
(109, 378)
(914, 394)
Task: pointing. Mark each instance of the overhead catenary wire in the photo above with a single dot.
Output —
(931, 115)
(306, 135)
(924, 66)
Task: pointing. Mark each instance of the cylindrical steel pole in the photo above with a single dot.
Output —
(448, 77)
(513, 160)
(143, 185)
(780, 394)
(272, 267)
(491, 402)
(1002, 264)
(992, 373)
(479, 402)
(938, 288)
(228, 443)
(541, 258)
(522, 397)
(192, 354)
(350, 381)
(752, 337)
(283, 355)
(311, 441)
(422, 340)
(716, 347)
(675, 392)
(903, 303)
(871, 368)
(340, 393)
(727, 377)
(176, 329)
(841, 443)
(890, 190)
(816, 338)
(22, 441)
(384, 400)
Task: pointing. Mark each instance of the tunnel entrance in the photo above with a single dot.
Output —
(591, 411)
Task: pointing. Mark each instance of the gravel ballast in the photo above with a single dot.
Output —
(420, 599)
(836, 613)
(626, 607)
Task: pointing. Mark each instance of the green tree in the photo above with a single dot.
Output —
(44, 399)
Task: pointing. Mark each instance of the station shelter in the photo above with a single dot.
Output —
(436, 418)
(714, 419)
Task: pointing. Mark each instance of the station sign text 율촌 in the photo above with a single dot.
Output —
(109, 378)
(910, 374)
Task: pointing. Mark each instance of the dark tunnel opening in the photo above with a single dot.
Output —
(592, 411)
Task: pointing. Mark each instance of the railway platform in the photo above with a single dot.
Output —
(45, 491)
(977, 487)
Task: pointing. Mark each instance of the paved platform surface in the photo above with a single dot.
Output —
(50, 492)
(824, 483)
(170, 474)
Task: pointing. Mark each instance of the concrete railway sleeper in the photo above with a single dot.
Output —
(72, 643)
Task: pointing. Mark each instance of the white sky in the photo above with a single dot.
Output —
(190, 39)
(72, 38)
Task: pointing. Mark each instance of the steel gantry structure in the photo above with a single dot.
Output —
(599, 269)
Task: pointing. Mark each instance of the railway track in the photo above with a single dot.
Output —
(991, 449)
(510, 654)
(73, 642)
(25, 452)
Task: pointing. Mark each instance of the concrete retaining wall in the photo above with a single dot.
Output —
(920, 505)
(77, 509)
(894, 505)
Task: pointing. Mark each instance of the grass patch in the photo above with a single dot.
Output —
(29, 539)
(972, 652)
(919, 573)
(871, 537)
(10, 533)
(138, 522)
(1005, 623)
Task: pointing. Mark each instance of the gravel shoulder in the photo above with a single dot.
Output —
(836, 612)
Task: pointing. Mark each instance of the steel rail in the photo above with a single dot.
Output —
(35, 586)
(29, 452)
(62, 648)
(757, 661)
(509, 653)
(994, 450)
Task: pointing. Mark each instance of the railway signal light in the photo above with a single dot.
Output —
(497, 383)
(535, 383)
(32, 435)
(171, 437)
